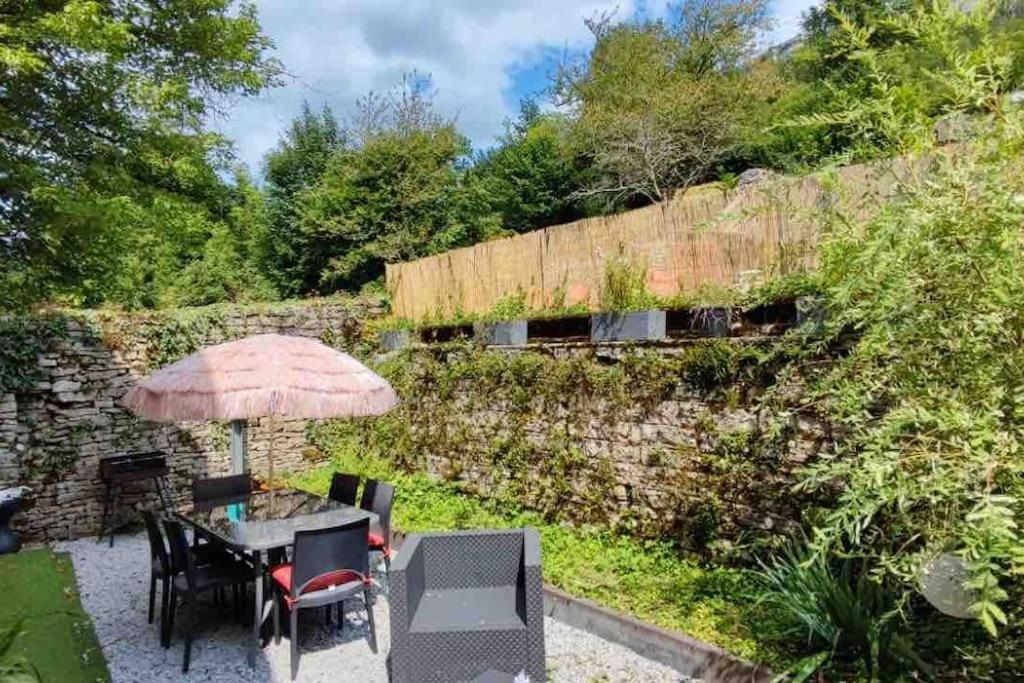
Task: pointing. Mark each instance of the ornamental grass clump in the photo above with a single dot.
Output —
(840, 612)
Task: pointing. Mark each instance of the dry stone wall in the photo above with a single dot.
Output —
(54, 433)
(701, 466)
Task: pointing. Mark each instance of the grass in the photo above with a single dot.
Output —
(38, 587)
(648, 579)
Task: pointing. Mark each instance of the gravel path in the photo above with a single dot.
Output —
(114, 587)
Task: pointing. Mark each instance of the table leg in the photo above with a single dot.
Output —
(257, 621)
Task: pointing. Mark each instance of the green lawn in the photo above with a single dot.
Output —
(38, 587)
(648, 579)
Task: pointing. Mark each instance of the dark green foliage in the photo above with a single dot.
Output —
(22, 340)
(530, 178)
(344, 203)
(295, 165)
(236, 262)
(106, 166)
(397, 197)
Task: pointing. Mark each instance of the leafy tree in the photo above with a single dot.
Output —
(295, 165)
(531, 177)
(874, 77)
(235, 259)
(661, 105)
(398, 193)
(101, 117)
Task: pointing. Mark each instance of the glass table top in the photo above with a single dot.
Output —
(265, 520)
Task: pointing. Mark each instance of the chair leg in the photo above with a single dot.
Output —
(369, 617)
(152, 595)
(341, 616)
(277, 618)
(387, 562)
(170, 613)
(165, 606)
(295, 641)
(189, 631)
(244, 611)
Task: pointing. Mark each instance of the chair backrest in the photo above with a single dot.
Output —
(369, 491)
(157, 548)
(344, 487)
(383, 500)
(213, 488)
(181, 556)
(324, 551)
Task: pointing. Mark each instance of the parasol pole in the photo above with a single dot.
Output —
(270, 455)
(239, 446)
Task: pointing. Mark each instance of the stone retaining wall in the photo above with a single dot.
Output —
(53, 435)
(696, 466)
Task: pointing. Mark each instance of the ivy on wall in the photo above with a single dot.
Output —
(22, 341)
(505, 425)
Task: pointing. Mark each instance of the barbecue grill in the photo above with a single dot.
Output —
(119, 470)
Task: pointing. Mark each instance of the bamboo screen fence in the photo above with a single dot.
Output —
(706, 237)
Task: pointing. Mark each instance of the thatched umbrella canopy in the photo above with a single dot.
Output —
(267, 375)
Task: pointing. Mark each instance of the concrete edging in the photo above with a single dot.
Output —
(684, 654)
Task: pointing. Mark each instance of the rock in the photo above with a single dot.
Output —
(65, 386)
(755, 176)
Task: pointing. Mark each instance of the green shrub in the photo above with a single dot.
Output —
(624, 287)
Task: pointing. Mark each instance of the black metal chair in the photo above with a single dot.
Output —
(344, 488)
(328, 566)
(191, 579)
(217, 488)
(379, 497)
(161, 568)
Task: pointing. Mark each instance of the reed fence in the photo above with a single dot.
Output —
(706, 237)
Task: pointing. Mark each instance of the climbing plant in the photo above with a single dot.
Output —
(22, 340)
(508, 425)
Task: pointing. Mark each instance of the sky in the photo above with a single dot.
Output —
(483, 56)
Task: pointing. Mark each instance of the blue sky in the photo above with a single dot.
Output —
(483, 56)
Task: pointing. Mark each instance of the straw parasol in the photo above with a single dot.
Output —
(267, 375)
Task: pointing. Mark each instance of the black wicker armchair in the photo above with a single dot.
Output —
(467, 603)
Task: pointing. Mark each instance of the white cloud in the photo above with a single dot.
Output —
(337, 50)
(787, 15)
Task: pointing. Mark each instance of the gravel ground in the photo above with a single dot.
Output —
(114, 587)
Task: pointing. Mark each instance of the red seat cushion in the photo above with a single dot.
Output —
(377, 541)
(282, 574)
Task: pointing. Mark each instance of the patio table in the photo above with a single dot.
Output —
(260, 522)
